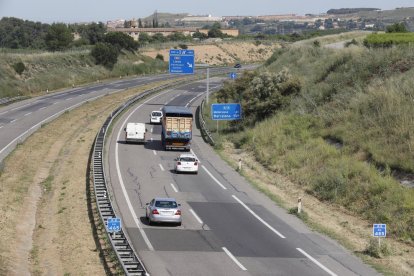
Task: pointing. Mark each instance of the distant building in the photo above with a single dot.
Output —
(135, 32)
(206, 18)
(119, 23)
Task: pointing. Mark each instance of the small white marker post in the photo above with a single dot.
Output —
(240, 165)
(299, 205)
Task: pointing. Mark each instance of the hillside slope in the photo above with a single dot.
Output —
(346, 139)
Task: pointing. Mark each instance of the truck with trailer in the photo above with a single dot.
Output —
(177, 123)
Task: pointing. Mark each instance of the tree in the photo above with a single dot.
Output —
(144, 38)
(105, 54)
(121, 41)
(94, 32)
(158, 37)
(140, 23)
(58, 37)
(17, 33)
(200, 35)
(397, 28)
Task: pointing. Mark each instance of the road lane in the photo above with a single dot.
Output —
(212, 218)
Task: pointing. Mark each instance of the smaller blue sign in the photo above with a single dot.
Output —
(233, 75)
(379, 230)
(227, 111)
(113, 224)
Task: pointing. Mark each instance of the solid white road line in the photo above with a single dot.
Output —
(316, 262)
(174, 188)
(155, 152)
(68, 99)
(195, 215)
(234, 259)
(42, 108)
(152, 130)
(215, 179)
(259, 218)
(191, 150)
(1, 126)
(27, 114)
(161, 167)
(13, 121)
(55, 102)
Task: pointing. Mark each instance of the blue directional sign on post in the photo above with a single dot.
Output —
(113, 224)
(379, 230)
(227, 111)
(181, 61)
(233, 75)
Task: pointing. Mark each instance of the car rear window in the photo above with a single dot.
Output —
(158, 114)
(187, 159)
(166, 204)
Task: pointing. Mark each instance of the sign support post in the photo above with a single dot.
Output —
(208, 83)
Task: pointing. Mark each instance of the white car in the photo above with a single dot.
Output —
(186, 163)
(156, 117)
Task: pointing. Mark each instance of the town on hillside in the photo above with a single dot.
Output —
(346, 19)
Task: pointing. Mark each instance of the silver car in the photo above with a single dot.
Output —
(163, 210)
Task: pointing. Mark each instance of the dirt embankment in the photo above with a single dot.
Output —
(224, 53)
(44, 222)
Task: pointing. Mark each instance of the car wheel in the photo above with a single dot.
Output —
(149, 221)
(179, 223)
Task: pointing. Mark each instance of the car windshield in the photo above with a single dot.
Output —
(157, 114)
(187, 159)
(166, 204)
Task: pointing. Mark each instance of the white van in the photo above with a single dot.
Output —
(135, 132)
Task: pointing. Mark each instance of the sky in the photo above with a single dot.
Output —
(71, 11)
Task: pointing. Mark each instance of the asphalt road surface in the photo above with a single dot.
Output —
(21, 119)
(228, 227)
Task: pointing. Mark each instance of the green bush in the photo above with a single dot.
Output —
(374, 249)
(19, 67)
(160, 57)
(105, 54)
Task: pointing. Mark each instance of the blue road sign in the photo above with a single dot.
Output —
(233, 75)
(113, 224)
(379, 230)
(227, 111)
(181, 61)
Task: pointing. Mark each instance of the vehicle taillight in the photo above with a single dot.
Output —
(155, 212)
(178, 163)
(195, 163)
(178, 213)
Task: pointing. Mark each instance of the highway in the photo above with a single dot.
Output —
(228, 227)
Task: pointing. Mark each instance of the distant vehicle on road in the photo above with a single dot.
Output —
(156, 117)
(177, 124)
(135, 133)
(163, 210)
(237, 65)
(186, 163)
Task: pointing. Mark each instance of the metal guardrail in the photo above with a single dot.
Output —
(121, 244)
(203, 125)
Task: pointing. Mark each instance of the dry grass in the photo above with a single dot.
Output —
(325, 218)
(224, 53)
(43, 205)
